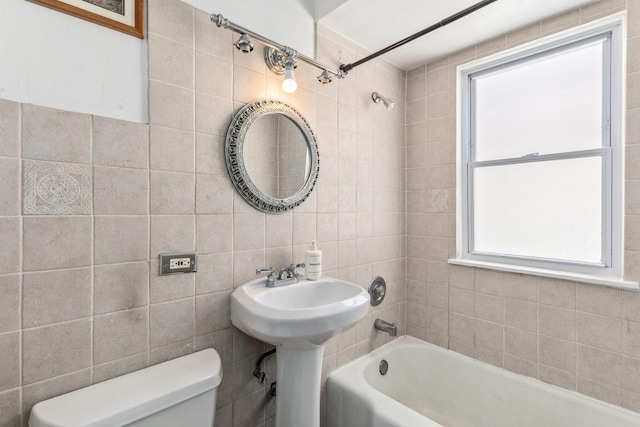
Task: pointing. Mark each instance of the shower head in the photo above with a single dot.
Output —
(244, 44)
(387, 102)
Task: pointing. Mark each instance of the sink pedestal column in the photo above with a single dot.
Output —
(298, 389)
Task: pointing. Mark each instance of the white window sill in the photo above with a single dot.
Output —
(565, 275)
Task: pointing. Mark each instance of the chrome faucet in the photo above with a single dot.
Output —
(290, 272)
(387, 327)
(286, 276)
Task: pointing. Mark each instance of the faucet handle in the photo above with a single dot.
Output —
(271, 276)
(269, 270)
(294, 268)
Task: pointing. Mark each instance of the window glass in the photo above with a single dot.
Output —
(550, 104)
(550, 209)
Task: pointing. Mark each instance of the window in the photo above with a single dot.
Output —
(540, 157)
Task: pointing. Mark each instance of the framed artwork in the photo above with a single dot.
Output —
(121, 15)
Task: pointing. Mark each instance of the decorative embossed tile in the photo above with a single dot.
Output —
(56, 189)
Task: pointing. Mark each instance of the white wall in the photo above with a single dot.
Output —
(56, 60)
(288, 22)
(52, 59)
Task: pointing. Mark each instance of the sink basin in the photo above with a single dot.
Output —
(307, 313)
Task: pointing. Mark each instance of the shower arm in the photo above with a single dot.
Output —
(221, 21)
(348, 67)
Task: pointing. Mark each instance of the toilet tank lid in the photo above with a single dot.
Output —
(128, 398)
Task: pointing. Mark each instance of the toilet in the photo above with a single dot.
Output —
(180, 392)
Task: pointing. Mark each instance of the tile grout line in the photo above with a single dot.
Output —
(21, 262)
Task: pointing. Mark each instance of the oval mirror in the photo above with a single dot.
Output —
(272, 156)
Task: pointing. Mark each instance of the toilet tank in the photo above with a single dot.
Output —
(180, 392)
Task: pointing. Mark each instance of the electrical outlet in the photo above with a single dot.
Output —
(178, 263)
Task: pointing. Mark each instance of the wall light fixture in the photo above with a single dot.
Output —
(244, 44)
(282, 63)
(280, 59)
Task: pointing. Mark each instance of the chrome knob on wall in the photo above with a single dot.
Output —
(377, 290)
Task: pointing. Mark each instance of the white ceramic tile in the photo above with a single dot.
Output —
(54, 350)
(120, 191)
(56, 296)
(56, 242)
(9, 128)
(120, 286)
(55, 135)
(121, 238)
(10, 191)
(120, 334)
(120, 143)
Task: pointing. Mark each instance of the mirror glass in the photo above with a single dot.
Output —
(276, 155)
(272, 156)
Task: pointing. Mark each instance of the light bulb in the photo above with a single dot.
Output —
(289, 84)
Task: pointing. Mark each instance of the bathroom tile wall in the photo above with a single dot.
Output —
(80, 297)
(577, 336)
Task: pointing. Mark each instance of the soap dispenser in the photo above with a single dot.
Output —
(313, 262)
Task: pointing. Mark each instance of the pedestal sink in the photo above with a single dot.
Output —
(298, 319)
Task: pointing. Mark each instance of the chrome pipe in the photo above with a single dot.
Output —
(222, 22)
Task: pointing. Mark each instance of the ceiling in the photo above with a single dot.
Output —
(376, 24)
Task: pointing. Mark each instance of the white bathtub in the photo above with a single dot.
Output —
(429, 386)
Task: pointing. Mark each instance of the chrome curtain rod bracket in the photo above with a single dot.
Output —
(348, 67)
(293, 54)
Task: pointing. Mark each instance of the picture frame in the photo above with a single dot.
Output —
(126, 16)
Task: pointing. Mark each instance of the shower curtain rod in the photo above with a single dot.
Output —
(348, 67)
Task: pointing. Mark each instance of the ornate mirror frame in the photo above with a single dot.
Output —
(236, 166)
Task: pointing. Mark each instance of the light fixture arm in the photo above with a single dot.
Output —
(222, 22)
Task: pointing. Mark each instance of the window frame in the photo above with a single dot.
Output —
(610, 272)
